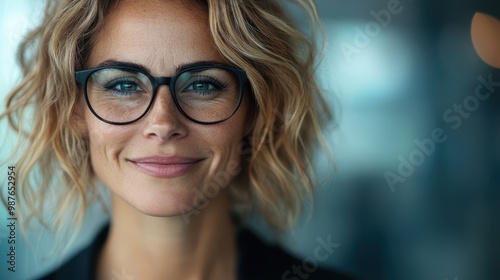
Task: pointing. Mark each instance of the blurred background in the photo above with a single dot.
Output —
(416, 89)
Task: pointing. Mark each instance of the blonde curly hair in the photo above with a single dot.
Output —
(255, 35)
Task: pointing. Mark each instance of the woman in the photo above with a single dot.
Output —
(190, 113)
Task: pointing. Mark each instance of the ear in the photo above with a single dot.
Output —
(252, 112)
(79, 121)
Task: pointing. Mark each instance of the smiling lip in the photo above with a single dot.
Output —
(165, 167)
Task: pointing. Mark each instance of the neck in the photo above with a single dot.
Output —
(170, 247)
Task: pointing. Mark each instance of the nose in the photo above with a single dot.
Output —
(164, 121)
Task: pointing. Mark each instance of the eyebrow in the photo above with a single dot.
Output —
(144, 68)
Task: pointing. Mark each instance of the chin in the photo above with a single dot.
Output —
(166, 201)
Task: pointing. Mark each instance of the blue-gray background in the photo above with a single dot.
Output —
(442, 222)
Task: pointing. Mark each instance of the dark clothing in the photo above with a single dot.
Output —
(256, 261)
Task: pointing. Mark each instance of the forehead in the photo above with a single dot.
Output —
(155, 33)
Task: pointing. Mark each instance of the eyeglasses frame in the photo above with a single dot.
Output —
(82, 77)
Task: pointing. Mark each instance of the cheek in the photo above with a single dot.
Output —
(238, 126)
(225, 165)
(225, 140)
(106, 142)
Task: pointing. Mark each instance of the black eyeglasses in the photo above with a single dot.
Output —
(205, 94)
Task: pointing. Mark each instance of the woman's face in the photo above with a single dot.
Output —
(161, 163)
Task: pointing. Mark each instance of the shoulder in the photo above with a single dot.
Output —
(82, 265)
(258, 260)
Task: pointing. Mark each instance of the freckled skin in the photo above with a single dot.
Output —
(160, 38)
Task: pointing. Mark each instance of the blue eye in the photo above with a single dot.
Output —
(203, 85)
(127, 87)
(123, 87)
(200, 86)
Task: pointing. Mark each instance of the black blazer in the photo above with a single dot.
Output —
(256, 261)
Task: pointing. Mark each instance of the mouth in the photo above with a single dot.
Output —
(165, 167)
